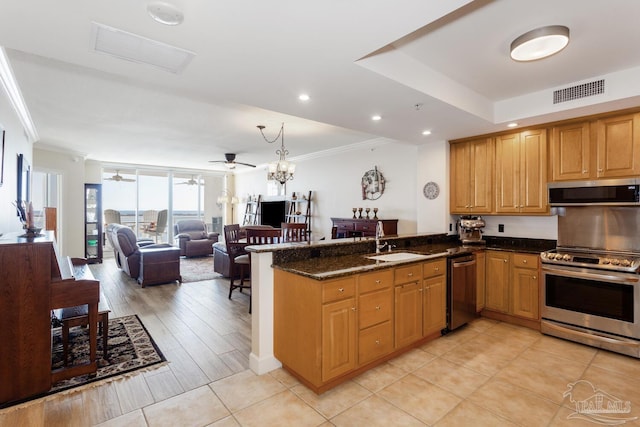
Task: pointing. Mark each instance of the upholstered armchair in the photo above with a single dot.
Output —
(149, 265)
(193, 239)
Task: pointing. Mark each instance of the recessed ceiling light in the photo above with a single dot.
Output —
(426, 132)
(512, 125)
(165, 13)
(303, 97)
(540, 43)
(376, 118)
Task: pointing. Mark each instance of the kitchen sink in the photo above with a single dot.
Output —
(399, 256)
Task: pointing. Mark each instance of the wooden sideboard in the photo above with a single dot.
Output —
(347, 227)
(34, 279)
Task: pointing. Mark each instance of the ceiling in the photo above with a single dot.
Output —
(420, 64)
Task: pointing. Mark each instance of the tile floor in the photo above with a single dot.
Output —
(486, 374)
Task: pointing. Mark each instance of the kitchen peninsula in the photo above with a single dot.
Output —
(328, 312)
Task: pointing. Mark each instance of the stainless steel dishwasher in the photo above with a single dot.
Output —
(461, 291)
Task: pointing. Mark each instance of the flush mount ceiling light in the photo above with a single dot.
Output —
(376, 118)
(165, 13)
(540, 43)
(303, 97)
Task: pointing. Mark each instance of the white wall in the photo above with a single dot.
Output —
(433, 166)
(335, 181)
(71, 212)
(15, 142)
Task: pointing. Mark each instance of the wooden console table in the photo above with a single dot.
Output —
(34, 280)
(347, 227)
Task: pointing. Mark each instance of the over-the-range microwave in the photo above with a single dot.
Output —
(613, 192)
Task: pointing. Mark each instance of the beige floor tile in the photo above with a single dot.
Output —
(334, 401)
(440, 346)
(611, 383)
(419, 398)
(412, 360)
(514, 403)
(132, 419)
(194, 408)
(283, 409)
(619, 363)
(374, 412)
(569, 418)
(285, 378)
(477, 359)
(481, 324)
(513, 332)
(539, 359)
(457, 379)
(380, 377)
(226, 422)
(566, 349)
(245, 388)
(468, 414)
(545, 384)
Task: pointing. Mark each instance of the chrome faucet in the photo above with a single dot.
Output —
(379, 235)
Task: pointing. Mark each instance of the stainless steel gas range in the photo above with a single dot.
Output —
(591, 281)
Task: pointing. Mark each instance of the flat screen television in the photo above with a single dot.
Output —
(273, 213)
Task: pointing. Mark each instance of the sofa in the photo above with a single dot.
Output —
(193, 239)
(221, 264)
(148, 265)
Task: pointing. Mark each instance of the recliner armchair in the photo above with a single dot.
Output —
(149, 265)
(193, 239)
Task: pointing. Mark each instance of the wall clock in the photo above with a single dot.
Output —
(431, 190)
(372, 184)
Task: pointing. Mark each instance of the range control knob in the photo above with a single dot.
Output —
(625, 262)
(566, 257)
(606, 261)
(615, 261)
(558, 256)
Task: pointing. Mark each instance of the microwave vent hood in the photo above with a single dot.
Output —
(606, 192)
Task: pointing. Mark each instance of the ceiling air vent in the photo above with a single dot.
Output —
(580, 91)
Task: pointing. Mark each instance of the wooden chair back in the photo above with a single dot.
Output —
(294, 232)
(263, 236)
(232, 240)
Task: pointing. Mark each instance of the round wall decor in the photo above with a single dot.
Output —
(372, 184)
(431, 190)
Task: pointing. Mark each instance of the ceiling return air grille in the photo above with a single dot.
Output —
(580, 91)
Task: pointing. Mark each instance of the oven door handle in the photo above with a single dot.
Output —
(594, 276)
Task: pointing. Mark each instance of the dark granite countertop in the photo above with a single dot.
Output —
(356, 261)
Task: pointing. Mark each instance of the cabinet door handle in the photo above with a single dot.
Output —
(378, 282)
(377, 307)
(584, 171)
(504, 260)
(340, 289)
(377, 342)
(410, 274)
(524, 261)
(436, 269)
(534, 277)
(353, 309)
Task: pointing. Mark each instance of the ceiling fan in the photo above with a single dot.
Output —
(191, 181)
(119, 178)
(231, 161)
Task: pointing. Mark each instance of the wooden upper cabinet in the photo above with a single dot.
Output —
(521, 172)
(570, 152)
(618, 146)
(472, 176)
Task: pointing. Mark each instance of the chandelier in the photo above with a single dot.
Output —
(282, 170)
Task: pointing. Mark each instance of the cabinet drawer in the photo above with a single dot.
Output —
(408, 274)
(375, 342)
(525, 260)
(434, 268)
(374, 308)
(338, 289)
(375, 281)
(367, 227)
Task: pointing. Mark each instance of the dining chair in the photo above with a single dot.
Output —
(294, 232)
(263, 236)
(238, 256)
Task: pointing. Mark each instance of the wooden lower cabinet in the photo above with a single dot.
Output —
(327, 331)
(512, 284)
(338, 338)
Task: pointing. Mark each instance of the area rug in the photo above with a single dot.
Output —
(131, 348)
(197, 269)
